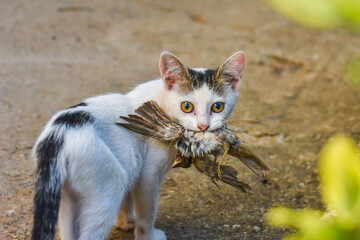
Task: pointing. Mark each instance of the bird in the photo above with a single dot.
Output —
(199, 148)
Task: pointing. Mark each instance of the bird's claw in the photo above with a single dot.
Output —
(219, 168)
(226, 148)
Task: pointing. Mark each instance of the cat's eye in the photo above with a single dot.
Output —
(217, 107)
(187, 107)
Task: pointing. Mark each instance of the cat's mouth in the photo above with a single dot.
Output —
(209, 129)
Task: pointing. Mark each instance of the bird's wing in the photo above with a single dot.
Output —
(152, 110)
(150, 120)
(228, 174)
(250, 159)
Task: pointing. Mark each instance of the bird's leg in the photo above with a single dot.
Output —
(213, 172)
(226, 147)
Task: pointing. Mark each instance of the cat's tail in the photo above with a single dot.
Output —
(48, 185)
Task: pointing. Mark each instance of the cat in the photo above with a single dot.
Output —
(92, 174)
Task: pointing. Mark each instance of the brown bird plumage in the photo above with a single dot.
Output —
(200, 148)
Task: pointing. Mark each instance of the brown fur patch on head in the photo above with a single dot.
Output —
(195, 79)
(176, 75)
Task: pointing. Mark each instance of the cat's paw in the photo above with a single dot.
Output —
(154, 234)
(159, 234)
(125, 223)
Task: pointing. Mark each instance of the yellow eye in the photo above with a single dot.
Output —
(217, 107)
(187, 107)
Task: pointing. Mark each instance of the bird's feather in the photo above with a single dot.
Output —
(250, 159)
(195, 147)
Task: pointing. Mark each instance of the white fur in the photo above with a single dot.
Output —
(104, 166)
(103, 162)
(202, 99)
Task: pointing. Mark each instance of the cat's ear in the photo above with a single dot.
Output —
(232, 69)
(172, 70)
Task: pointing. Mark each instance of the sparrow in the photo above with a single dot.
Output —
(202, 149)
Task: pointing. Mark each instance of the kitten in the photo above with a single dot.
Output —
(92, 173)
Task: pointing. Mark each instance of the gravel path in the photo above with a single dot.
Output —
(55, 53)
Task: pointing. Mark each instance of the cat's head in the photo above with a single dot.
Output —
(201, 99)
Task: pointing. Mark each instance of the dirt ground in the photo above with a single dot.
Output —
(55, 53)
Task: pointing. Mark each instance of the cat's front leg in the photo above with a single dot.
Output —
(126, 215)
(146, 194)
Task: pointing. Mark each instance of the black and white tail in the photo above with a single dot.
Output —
(48, 186)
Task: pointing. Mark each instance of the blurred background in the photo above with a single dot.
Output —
(53, 54)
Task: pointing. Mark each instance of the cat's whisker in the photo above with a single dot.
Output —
(170, 144)
(248, 121)
(252, 139)
(249, 126)
(245, 120)
(218, 125)
(244, 109)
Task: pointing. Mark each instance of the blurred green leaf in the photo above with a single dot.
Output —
(325, 14)
(307, 221)
(348, 12)
(309, 13)
(320, 13)
(340, 180)
(340, 185)
(292, 237)
(281, 216)
(352, 74)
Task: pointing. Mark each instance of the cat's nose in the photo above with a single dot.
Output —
(203, 127)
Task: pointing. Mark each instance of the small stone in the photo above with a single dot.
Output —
(11, 211)
(226, 225)
(301, 185)
(240, 207)
(235, 226)
(280, 138)
(256, 228)
(315, 56)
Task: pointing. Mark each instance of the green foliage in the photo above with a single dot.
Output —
(340, 180)
(339, 167)
(320, 13)
(325, 14)
(353, 73)
(339, 163)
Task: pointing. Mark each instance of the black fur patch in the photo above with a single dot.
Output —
(73, 119)
(47, 187)
(208, 77)
(79, 105)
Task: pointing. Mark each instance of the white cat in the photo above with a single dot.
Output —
(94, 171)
